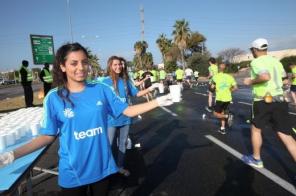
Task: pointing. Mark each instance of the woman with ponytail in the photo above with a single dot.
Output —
(77, 113)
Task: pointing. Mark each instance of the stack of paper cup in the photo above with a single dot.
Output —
(18, 124)
(175, 91)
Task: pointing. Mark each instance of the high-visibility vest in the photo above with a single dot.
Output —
(47, 77)
(29, 74)
(162, 74)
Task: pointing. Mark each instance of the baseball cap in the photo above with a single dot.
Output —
(260, 44)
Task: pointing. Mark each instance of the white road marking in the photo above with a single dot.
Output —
(278, 180)
(169, 111)
(245, 103)
(200, 94)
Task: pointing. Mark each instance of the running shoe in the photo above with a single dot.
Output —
(230, 120)
(250, 160)
(209, 109)
(222, 131)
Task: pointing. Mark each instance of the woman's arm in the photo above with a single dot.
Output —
(34, 145)
(147, 90)
(135, 110)
(37, 143)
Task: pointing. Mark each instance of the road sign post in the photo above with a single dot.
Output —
(42, 49)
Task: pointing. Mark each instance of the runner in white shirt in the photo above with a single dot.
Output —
(188, 74)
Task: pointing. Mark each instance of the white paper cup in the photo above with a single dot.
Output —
(161, 88)
(10, 138)
(17, 131)
(23, 130)
(35, 128)
(175, 91)
(2, 142)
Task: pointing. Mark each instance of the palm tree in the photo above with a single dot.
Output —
(94, 63)
(181, 35)
(140, 49)
(164, 45)
(196, 42)
(147, 59)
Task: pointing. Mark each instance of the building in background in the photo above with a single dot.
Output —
(277, 54)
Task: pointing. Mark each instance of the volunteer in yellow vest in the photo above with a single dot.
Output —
(223, 84)
(154, 77)
(46, 77)
(213, 70)
(26, 81)
(269, 105)
(293, 85)
(179, 75)
(162, 75)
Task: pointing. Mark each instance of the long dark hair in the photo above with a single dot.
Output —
(60, 77)
(112, 74)
(125, 75)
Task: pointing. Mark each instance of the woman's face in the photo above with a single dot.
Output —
(76, 66)
(116, 66)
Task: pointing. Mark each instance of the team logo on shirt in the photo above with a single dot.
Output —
(88, 133)
(99, 103)
(68, 113)
(123, 99)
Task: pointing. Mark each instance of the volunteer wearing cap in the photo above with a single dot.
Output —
(269, 105)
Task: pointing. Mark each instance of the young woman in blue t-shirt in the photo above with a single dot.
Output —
(123, 87)
(77, 112)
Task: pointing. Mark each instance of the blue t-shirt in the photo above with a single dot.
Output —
(122, 93)
(85, 154)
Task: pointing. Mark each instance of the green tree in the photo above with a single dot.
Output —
(164, 45)
(181, 35)
(140, 49)
(147, 60)
(287, 61)
(196, 43)
(199, 62)
(95, 67)
(173, 54)
(170, 66)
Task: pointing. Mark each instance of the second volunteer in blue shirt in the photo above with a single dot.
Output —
(119, 81)
(77, 113)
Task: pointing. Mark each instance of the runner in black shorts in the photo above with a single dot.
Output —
(223, 84)
(269, 106)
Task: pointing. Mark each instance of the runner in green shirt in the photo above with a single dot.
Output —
(179, 75)
(224, 84)
(269, 106)
(213, 70)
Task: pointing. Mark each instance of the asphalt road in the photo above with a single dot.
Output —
(16, 90)
(182, 154)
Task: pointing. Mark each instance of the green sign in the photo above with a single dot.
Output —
(42, 49)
